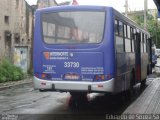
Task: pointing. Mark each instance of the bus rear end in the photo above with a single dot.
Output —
(71, 50)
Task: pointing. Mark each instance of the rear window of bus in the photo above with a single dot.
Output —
(73, 27)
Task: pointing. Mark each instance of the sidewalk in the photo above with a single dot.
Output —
(11, 84)
(148, 102)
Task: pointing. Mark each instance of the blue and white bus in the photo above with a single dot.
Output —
(84, 49)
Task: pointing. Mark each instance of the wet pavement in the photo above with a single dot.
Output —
(28, 104)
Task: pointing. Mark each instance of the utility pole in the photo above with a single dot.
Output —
(145, 13)
(126, 8)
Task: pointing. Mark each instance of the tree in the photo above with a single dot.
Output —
(152, 26)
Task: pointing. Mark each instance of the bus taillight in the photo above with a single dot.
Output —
(108, 76)
(45, 76)
(102, 77)
(96, 77)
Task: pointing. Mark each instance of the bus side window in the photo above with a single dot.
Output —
(125, 30)
(127, 39)
(120, 29)
(145, 36)
(116, 27)
(147, 44)
(128, 32)
(132, 39)
(119, 38)
(141, 41)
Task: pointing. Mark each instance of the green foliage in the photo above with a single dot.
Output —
(152, 26)
(154, 30)
(9, 72)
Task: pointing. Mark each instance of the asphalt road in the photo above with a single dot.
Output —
(25, 103)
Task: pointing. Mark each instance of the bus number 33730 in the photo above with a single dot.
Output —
(71, 64)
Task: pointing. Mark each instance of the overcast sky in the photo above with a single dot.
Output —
(117, 4)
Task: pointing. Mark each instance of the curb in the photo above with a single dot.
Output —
(15, 85)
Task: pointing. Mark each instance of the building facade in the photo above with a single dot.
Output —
(46, 3)
(16, 28)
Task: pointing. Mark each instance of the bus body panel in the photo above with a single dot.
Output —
(75, 62)
(144, 65)
(83, 65)
(129, 64)
(125, 65)
(80, 67)
(77, 86)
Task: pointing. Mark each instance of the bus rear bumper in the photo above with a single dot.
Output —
(66, 86)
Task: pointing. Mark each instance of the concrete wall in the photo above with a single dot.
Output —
(18, 24)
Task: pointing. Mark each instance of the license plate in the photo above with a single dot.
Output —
(71, 77)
